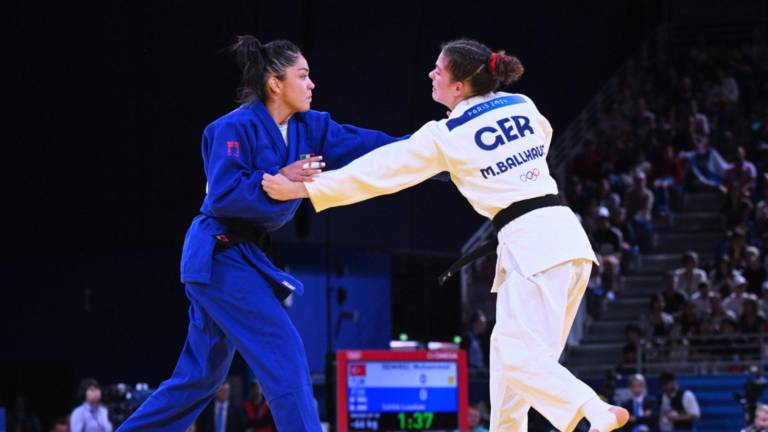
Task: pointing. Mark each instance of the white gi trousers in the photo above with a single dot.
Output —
(533, 319)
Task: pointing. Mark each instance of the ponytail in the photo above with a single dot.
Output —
(257, 62)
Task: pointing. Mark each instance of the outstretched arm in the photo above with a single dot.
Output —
(383, 171)
(340, 144)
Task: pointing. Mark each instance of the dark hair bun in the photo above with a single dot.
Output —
(248, 52)
(508, 68)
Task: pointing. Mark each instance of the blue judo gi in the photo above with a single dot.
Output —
(235, 292)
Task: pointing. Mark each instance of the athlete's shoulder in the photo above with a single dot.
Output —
(233, 118)
(519, 95)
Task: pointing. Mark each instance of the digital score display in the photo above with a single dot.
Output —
(401, 391)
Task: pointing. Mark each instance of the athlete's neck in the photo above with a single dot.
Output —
(279, 111)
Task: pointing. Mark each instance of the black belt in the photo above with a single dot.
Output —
(502, 218)
(241, 231)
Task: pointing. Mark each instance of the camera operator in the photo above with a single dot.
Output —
(761, 420)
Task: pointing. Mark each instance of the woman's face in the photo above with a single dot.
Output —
(444, 89)
(93, 395)
(296, 89)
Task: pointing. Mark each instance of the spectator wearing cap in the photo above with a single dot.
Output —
(91, 416)
(689, 276)
(607, 241)
(754, 271)
(734, 302)
(639, 204)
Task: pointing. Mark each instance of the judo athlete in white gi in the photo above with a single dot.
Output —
(494, 146)
(234, 290)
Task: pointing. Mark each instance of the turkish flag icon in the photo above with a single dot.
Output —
(357, 370)
(233, 148)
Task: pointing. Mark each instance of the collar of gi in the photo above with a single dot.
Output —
(462, 106)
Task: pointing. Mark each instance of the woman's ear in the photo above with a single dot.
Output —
(274, 85)
(459, 86)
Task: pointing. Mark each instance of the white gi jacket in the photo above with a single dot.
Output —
(494, 146)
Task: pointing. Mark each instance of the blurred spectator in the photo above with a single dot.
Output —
(717, 312)
(754, 271)
(761, 420)
(639, 204)
(258, 417)
(221, 415)
(473, 420)
(698, 124)
(22, 420)
(733, 303)
(721, 277)
(700, 299)
(764, 299)
(642, 408)
(690, 320)
(752, 320)
(668, 176)
(658, 322)
(679, 408)
(690, 275)
(761, 209)
(674, 299)
(607, 242)
(91, 416)
(60, 425)
(737, 248)
(471, 342)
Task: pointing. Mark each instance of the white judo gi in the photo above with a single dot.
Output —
(494, 146)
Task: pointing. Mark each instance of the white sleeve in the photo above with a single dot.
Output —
(690, 404)
(386, 170)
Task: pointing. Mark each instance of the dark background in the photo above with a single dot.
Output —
(101, 167)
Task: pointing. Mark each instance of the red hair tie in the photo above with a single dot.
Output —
(494, 57)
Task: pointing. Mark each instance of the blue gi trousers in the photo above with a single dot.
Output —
(238, 310)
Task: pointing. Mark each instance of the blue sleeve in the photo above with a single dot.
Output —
(341, 144)
(234, 182)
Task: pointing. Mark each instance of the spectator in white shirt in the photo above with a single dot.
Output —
(734, 302)
(91, 416)
(700, 299)
(690, 276)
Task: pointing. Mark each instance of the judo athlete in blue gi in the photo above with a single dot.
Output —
(234, 290)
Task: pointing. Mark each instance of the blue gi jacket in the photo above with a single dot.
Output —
(238, 149)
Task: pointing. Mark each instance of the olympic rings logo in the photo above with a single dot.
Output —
(531, 175)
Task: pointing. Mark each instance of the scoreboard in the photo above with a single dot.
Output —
(401, 390)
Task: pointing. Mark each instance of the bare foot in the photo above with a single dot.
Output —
(622, 417)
